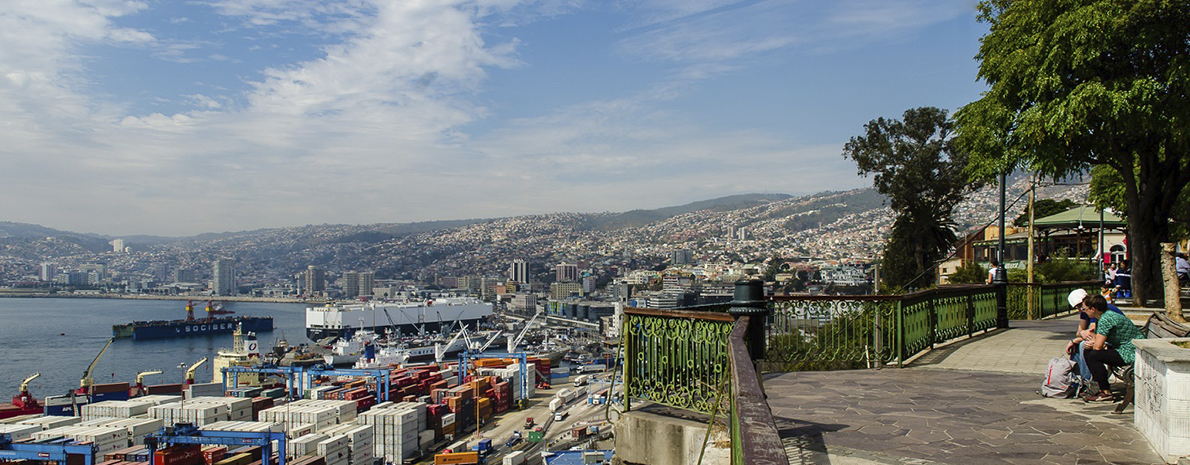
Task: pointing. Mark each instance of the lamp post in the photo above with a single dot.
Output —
(1001, 278)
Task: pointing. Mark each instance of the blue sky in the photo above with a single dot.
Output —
(180, 117)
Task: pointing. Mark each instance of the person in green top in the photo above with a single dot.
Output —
(1110, 345)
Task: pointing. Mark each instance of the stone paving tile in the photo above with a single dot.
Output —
(983, 412)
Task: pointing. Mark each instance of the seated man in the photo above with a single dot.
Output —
(1110, 345)
(1086, 330)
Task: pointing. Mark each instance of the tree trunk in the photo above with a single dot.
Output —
(1173, 299)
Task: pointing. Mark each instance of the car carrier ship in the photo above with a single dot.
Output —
(414, 317)
(192, 326)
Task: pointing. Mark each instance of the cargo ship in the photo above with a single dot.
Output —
(344, 319)
(191, 326)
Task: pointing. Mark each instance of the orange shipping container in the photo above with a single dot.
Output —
(456, 458)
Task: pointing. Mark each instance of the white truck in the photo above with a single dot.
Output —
(515, 458)
(556, 403)
(581, 380)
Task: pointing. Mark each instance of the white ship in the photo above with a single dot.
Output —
(413, 317)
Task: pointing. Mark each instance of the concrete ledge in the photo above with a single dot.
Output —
(1162, 396)
(659, 435)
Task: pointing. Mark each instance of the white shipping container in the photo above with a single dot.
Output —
(51, 421)
(19, 432)
(515, 458)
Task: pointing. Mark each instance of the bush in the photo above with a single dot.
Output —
(970, 273)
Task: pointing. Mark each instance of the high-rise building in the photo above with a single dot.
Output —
(182, 275)
(681, 257)
(117, 245)
(367, 280)
(567, 272)
(160, 272)
(224, 280)
(519, 271)
(315, 280)
(351, 284)
(47, 272)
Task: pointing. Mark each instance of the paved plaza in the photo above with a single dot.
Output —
(971, 402)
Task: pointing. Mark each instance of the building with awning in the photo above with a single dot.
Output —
(1073, 233)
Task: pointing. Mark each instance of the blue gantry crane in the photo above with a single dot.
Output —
(63, 450)
(186, 433)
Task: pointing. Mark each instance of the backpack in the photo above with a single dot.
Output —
(1059, 379)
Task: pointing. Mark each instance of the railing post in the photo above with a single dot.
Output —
(749, 301)
(900, 333)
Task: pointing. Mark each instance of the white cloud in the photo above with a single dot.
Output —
(375, 128)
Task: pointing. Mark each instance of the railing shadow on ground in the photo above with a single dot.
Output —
(699, 360)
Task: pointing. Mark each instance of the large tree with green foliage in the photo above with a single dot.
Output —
(915, 164)
(1083, 83)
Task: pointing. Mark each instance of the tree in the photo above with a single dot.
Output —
(1043, 208)
(1076, 84)
(969, 273)
(918, 168)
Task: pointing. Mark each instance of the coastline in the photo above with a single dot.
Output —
(280, 300)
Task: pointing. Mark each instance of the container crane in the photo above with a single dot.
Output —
(139, 389)
(86, 381)
(490, 341)
(192, 369)
(512, 343)
(440, 351)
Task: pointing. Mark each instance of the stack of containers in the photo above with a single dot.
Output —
(308, 460)
(334, 450)
(361, 442)
(19, 432)
(105, 438)
(322, 414)
(50, 422)
(130, 454)
(203, 390)
(106, 392)
(137, 428)
(395, 429)
(131, 408)
(503, 396)
(203, 410)
(304, 445)
(260, 403)
(212, 454)
(188, 454)
(245, 426)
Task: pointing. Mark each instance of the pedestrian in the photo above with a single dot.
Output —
(993, 270)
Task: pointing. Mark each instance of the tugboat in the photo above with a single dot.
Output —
(22, 403)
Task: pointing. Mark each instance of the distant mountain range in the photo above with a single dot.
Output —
(383, 231)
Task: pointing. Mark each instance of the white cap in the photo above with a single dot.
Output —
(1076, 297)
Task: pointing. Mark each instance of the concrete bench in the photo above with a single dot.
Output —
(1158, 326)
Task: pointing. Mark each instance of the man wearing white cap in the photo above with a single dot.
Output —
(1086, 331)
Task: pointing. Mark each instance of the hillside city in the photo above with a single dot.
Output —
(810, 243)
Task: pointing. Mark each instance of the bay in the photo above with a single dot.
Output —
(59, 337)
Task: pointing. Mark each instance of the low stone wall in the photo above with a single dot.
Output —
(658, 435)
(1162, 412)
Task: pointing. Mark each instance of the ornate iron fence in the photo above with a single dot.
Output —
(676, 358)
(847, 332)
(1034, 301)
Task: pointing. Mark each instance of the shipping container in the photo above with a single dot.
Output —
(457, 458)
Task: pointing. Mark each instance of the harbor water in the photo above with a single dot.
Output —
(59, 337)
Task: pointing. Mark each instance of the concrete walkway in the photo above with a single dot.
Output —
(972, 402)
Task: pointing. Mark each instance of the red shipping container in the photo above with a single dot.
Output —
(190, 454)
(213, 454)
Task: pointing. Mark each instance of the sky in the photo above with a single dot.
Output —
(178, 117)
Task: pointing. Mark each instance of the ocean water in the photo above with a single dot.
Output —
(60, 337)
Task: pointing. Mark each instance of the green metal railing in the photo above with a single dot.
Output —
(847, 332)
(676, 358)
(1036, 301)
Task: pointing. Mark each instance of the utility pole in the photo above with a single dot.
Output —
(1029, 266)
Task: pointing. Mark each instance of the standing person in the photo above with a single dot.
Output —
(992, 272)
(1110, 274)
(1182, 266)
(1110, 345)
